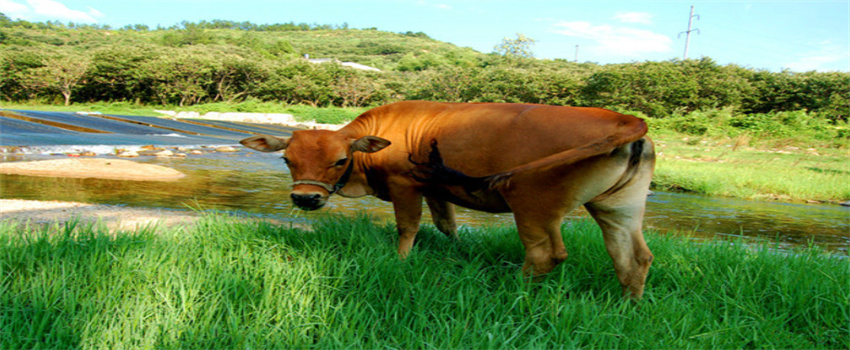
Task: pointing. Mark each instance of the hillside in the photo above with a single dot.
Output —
(371, 47)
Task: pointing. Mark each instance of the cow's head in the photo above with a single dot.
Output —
(320, 161)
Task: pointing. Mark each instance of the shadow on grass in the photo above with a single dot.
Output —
(828, 171)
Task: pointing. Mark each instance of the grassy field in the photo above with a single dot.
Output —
(719, 167)
(227, 283)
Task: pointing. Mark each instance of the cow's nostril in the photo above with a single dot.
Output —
(307, 201)
(308, 196)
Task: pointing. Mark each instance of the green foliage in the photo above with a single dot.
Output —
(416, 34)
(826, 93)
(192, 35)
(661, 89)
(411, 62)
(799, 127)
(231, 283)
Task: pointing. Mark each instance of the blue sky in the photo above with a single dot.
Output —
(773, 35)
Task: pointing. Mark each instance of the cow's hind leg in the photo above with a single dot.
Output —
(620, 218)
(443, 214)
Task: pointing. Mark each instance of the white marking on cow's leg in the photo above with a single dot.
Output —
(407, 204)
(621, 229)
(443, 215)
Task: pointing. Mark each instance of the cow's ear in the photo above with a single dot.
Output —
(265, 143)
(369, 144)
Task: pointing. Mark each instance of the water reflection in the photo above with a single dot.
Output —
(258, 184)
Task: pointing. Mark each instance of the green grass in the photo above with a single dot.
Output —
(228, 283)
(326, 115)
(120, 108)
(716, 167)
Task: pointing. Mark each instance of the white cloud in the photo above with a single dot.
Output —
(616, 41)
(831, 57)
(14, 10)
(56, 10)
(48, 10)
(443, 7)
(95, 13)
(634, 17)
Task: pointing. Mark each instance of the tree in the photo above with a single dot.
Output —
(61, 72)
(513, 48)
(354, 89)
(181, 77)
(117, 73)
(235, 77)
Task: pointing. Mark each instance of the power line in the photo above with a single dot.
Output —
(688, 32)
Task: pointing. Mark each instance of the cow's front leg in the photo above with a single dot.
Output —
(544, 248)
(407, 203)
(538, 211)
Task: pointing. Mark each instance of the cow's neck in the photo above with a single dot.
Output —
(357, 184)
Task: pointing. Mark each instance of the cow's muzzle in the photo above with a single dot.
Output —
(308, 201)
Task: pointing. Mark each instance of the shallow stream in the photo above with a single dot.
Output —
(257, 184)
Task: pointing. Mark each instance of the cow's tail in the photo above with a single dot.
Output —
(435, 170)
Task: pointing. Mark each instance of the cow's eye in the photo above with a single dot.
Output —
(341, 162)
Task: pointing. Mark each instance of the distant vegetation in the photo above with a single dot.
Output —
(245, 63)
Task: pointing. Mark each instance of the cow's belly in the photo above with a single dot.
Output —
(489, 201)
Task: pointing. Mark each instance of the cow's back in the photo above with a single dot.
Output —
(485, 138)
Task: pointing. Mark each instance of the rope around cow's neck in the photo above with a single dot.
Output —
(327, 187)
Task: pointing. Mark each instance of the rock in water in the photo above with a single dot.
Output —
(165, 153)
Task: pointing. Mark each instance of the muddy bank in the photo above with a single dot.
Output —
(113, 217)
(114, 169)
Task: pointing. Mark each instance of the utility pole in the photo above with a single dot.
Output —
(688, 33)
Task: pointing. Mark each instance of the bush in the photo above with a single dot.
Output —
(798, 126)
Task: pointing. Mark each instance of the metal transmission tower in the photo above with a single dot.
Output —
(688, 32)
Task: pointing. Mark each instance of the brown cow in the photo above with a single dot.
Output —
(539, 162)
